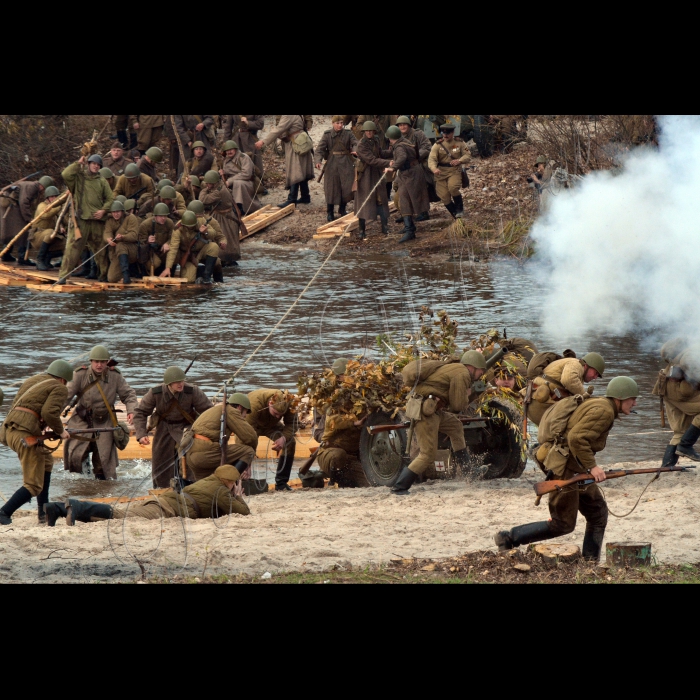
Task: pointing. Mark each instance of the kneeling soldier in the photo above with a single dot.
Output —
(154, 238)
(122, 235)
(41, 238)
(211, 497)
(194, 242)
(585, 434)
(38, 404)
(170, 406)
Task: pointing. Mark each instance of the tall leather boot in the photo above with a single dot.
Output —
(459, 204)
(17, 500)
(85, 511)
(219, 273)
(404, 482)
(423, 216)
(43, 498)
(342, 210)
(670, 457)
(361, 232)
(84, 269)
(389, 186)
(92, 274)
(20, 258)
(523, 534)
(304, 192)
(385, 222)
(690, 437)
(330, 215)
(42, 259)
(409, 231)
(452, 209)
(292, 197)
(8, 257)
(592, 542)
(133, 141)
(124, 264)
(122, 138)
(284, 468)
(208, 269)
(53, 512)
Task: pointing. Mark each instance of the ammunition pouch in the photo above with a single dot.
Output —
(430, 406)
(541, 394)
(414, 407)
(83, 413)
(121, 436)
(554, 456)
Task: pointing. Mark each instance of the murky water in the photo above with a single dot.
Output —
(355, 299)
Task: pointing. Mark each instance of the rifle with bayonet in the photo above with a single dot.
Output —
(31, 441)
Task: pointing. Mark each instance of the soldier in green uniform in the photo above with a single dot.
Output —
(108, 175)
(211, 497)
(585, 434)
(147, 164)
(134, 184)
(38, 405)
(168, 196)
(189, 188)
(170, 407)
(155, 234)
(445, 160)
(45, 246)
(194, 242)
(122, 235)
(201, 443)
(202, 160)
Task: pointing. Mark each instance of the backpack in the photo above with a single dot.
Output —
(541, 360)
(552, 427)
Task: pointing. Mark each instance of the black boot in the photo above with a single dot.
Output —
(670, 457)
(17, 500)
(404, 482)
(452, 209)
(84, 269)
(292, 197)
(20, 258)
(135, 271)
(53, 512)
(459, 203)
(423, 217)
(523, 534)
(124, 264)
(92, 274)
(330, 216)
(389, 186)
(43, 498)
(409, 231)
(85, 511)
(685, 448)
(208, 269)
(342, 210)
(219, 273)
(362, 230)
(305, 197)
(592, 543)
(8, 258)
(385, 222)
(122, 138)
(133, 141)
(42, 258)
(284, 468)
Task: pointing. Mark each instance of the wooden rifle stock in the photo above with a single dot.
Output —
(60, 218)
(303, 470)
(544, 487)
(32, 441)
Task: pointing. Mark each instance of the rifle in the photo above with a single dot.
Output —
(60, 218)
(31, 441)
(185, 167)
(309, 462)
(663, 413)
(189, 367)
(28, 177)
(323, 170)
(222, 432)
(136, 194)
(544, 487)
(244, 229)
(464, 420)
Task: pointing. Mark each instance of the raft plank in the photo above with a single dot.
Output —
(331, 235)
(270, 217)
(55, 288)
(345, 224)
(8, 281)
(164, 280)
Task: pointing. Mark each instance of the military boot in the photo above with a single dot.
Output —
(124, 264)
(133, 141)
(361, 231)
(85, 511)
(342, 210)
(218, 273)
(42, 258)
(404, 482)
(209, 264)
(670, 457)
(385, 222)
(452, 209)
(8, 258)
(21, 260)
(462, 460)
(459, 204)
(122, 138)
(409, 231)
(284, 468)
(330, 216)
(685, 448)
(305, 194)
(424, 216)
(84, 269)
(592, 542)
(53, 512)
(523, 534)
(43, 498)
(17, 500)
(92, 274)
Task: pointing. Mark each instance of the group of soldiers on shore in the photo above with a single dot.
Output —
(206, 474)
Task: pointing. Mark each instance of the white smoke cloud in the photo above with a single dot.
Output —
(622, 250)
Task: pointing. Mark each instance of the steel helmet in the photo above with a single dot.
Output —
(540, 159)
(212, 177)
(403, 119)
(120, 198)
(129, 204)
(106, 173)
(239, 400)
(369, 126)
(622, 388)
(60, 368)
(196, 206)
(95, 159)
(393, 132)
(199, 144)
(51, 192)
(474, 358)
(593, 359)
(340, 365)
(168, 192)
(230, 145)
(132, 171)
(99, 353)
(161, 209)
(46, 181)
(173, 374)
(117, 206)
(155, 154)
(189, 219)
(165, 183)
(195, 181)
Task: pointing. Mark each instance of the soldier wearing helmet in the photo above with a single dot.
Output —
(169, 408)
(37, 405)
(149, 130)
(18, 203)
(155, 234)
(189, 188)
(97, 386)
(192, 128)
(243, 129)
(192, 242)
(122, 236)
(149, 160)
(168, 196)
(93, 198)
(218, 203)
(108, 175)
(239, 171)
(44, 246)
(115, 160)
(134, 184)
(581, 432)
(202, 160)
(447, 157)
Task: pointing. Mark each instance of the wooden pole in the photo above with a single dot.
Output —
(60, 218)
(8, 247)
(185, 169)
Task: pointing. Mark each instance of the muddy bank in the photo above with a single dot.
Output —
(338, 529)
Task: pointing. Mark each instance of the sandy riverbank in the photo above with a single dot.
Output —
(322, 530)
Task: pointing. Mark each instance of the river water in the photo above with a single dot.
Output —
(355, 299)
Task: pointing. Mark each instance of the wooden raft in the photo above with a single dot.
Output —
(264, 217)
(343, 226)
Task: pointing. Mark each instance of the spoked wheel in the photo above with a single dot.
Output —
(381, 454)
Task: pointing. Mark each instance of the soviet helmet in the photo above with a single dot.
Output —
(161, 209)
(403, 119)
(46, 181)
(129, 204)
(474, 358)
(51, 192)
(340, 365)
(239, 399)
(132, 171)
(593, 359)
(196, 206)
(95, 158)
(622, 388)
(173, 374)
(62, 369)
(99, 353)
(212, 177)
(540, 159)
(189, 219)
(165, 183)
(230, 145)
(168, 192)
(393, 132)
(120, 198)
(155, 154)
(106, 173)
(369, 126)
(195, 181)
(199, 144)
(117, 206)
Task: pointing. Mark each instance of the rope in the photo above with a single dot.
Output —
(652, 480)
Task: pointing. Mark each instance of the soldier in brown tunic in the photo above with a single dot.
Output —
(38, 405)
(134, 184)
(156, 231)
(97, 388)
(189, 188)
(17, 206)
(446, 159)
(239, 171)
(149, 130)
(202, 160)
(243, 129)
(192, 242)
(195, 127)
(336, 147)
(166, 195)
(122, 235)
(170, 407)
(115, 160)
(218, 202)
(43, 245)
(201, 444)
(148, 162)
